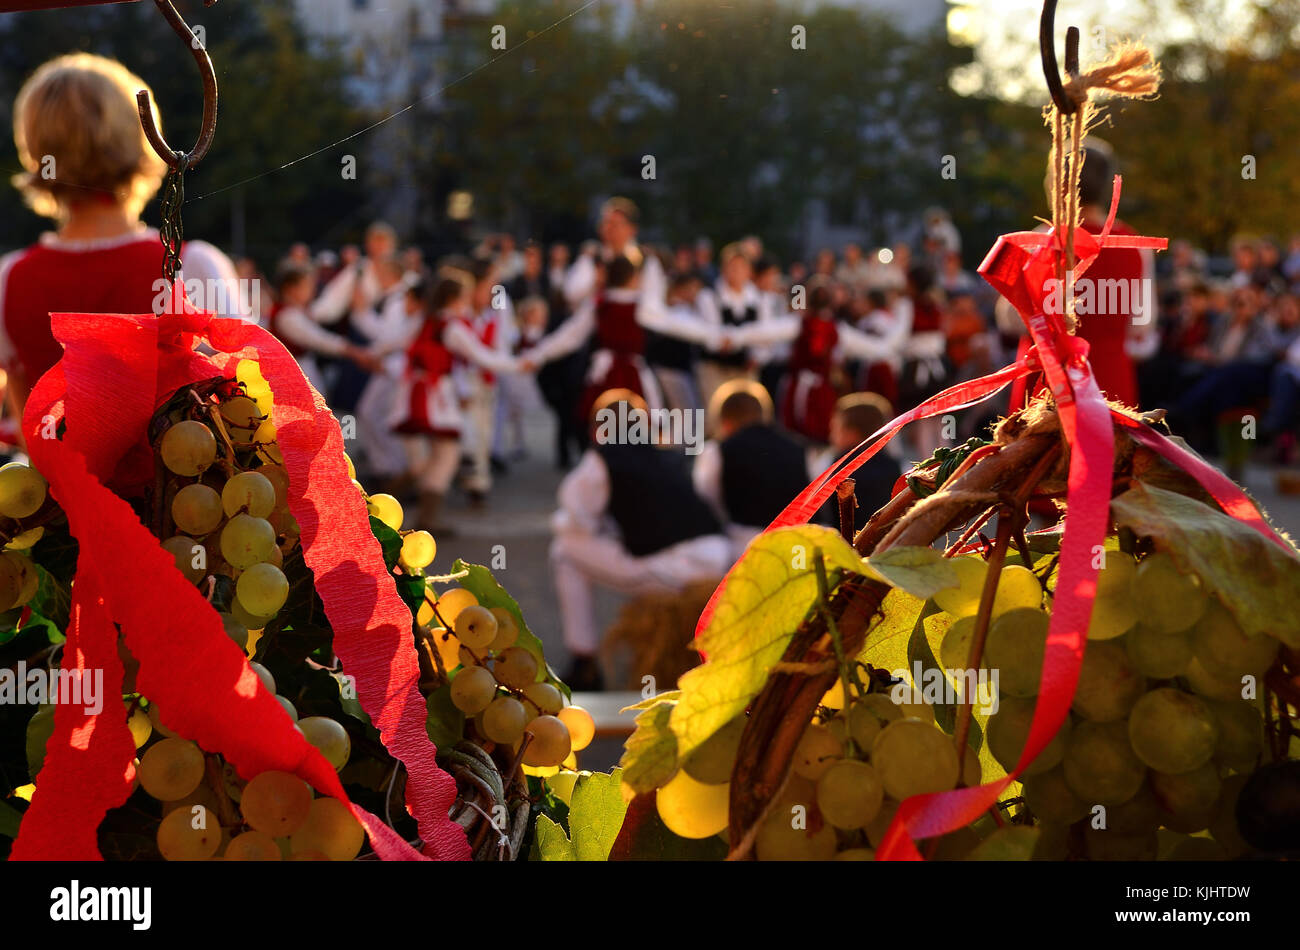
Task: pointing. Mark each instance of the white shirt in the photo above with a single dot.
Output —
(583, 497)
(298, 326)
(580, 282)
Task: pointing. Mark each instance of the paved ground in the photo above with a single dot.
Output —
(517, 519)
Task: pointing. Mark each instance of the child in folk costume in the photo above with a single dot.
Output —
(733, 303)
(426, 411)
(518, 393)
(491, 321)
(292, 323)
(618, 315)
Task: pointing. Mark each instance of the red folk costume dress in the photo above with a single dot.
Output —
(619, 360)
(1106, 333)
(428, 402)
(808, 397)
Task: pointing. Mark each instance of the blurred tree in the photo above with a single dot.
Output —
(278, 102)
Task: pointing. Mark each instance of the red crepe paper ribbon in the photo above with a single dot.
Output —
(1020, 266)
(115, 371)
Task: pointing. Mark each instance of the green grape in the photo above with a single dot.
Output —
(881, 706)
(1223, 823)
(1241, 734)
(816, 752)
(849, 794)
(29, 579)
(954, 651)
(504, 720)
(1018, 589)
(692, 809)
(140, 726)
(551, 743)
(279, 479)
(789, 832)
(246, 541)
(582, 728)
(1173, 601)
(1220, 645)
(472, 689)
(189, 834)
(1172, 731)
(26, 540)
(1187, 800)
(963, 600)
(452, 602)
(913, 758)
(1053, 842)
(249, 492)
(275, 803)
(329, 737)
(187, 552)
(1156, 654)
(476, 628)
(1196, 848)
(388, 510)
(246, 617)
(507, 630)
(330, 829)
(253, 846)
(1049, 797)
(262, 589)
(188, 448)
(1008, 730)
(1099, 763)
(265, 436)
(288, 707)
(712, 761)
(1104, 845)
(22, 490)
(955, 845)
(11, 583)
(865, 725)
(466, 656)
(1014, 649)
(1213, 684)
(1114, 611)
(562, 783)
(544, 697)
(171, 769)
(264, 675)
(196, 509)
(515, 667)
(235, 630)
(1012, 843)
(241, 412)
(1137, 816)
(1108, 684)
(971, 770)
(418, 550)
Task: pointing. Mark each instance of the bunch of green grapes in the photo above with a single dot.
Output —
(1165, 728)
(209, 812)
(506, 688)
(23, 492)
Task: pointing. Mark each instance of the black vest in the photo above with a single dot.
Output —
(735, 318)
(762, 472)
(652, 499)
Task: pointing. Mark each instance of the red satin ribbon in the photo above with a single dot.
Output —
(114, 372)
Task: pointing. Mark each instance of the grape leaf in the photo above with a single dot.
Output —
(768, 595)
(1257, 580)
(650, 754)
(596, 813)
(886, 644)
(922, 572)
(480, 582)
(445, 723)
(671, 695)
(551, 843)
(389, 540)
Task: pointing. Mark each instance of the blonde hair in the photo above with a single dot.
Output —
(76, 116)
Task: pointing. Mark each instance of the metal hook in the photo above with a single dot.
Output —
(1047, 46)
(176, 159)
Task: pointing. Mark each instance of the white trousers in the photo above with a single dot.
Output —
(580, 561)
(480, 422)
(432, 461)
(382, 447)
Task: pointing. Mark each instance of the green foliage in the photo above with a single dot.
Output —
(596, 813)
(922, 572)
(650, 753)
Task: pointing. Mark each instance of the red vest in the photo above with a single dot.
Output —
(45, 280)
(617, 328)
(487, 336)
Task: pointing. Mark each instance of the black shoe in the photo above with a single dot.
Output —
(584, 675)
(477, 499)
(498, 464)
